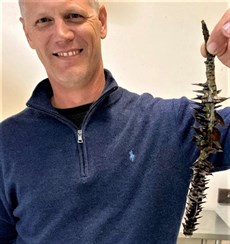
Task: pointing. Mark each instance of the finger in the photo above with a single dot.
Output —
(203, 50)
(218, 41)
(219, 37)
(226, 29)
(225, 57)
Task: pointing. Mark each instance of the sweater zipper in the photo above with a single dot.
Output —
(79, 136)
(80, 132)
(84, 164)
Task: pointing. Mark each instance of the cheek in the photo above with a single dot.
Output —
(91, 30)
(42, 57)
(42, 46)
(45, 56)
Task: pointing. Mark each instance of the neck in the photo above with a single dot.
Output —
(65, 97)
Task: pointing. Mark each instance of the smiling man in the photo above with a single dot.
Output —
(67, 38)
(88, 161)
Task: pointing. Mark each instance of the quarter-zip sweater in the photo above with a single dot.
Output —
(120, 179)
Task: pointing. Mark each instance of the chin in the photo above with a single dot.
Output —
(70, 76)
(70, 81)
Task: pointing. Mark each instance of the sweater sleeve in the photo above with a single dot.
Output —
(220, 160)
(7, 231)
(7, 227)
(7, 222)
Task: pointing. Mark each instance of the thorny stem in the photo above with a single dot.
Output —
(207, 139)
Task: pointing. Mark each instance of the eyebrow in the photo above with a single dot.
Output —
(69, 9)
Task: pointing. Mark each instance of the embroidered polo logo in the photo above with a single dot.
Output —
(132, 156)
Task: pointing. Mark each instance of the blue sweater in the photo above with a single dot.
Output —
(121, 179)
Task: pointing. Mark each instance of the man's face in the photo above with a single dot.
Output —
(66, 35)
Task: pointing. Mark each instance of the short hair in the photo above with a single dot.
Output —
(95, 4)
(21, 6)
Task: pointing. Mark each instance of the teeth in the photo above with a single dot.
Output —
(68, 54)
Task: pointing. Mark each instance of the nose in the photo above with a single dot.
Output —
(63, 32)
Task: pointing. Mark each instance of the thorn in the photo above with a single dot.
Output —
(200, 84)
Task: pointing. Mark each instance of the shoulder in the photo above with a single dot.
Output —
(147, 102)
(13, 124)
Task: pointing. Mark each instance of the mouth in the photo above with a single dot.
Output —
(71, 53)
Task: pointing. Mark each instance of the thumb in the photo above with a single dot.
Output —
(226, 29)
(220, 36)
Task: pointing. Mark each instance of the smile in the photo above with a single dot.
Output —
(68, 54)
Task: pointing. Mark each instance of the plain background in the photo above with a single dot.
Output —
(151, 47)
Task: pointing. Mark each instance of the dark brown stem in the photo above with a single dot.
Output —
(207, 139)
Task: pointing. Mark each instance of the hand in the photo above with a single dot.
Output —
(219, 40)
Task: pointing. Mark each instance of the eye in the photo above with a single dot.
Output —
(43, 21)
(74, 17)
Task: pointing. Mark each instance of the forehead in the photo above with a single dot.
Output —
(27, 3)
(35, 6)
(56, 1)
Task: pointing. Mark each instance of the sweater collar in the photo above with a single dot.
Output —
(41, 96)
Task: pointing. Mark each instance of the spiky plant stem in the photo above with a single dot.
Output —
(207, 138)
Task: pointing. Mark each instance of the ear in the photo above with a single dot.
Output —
(103, 21)
(30, 41)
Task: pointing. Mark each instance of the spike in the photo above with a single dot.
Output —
(207, 138)
(199, 91)
(200, 84)
(219, 119)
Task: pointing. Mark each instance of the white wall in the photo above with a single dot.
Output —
(1, 62)
(151, 46)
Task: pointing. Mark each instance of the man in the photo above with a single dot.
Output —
(87, 161)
